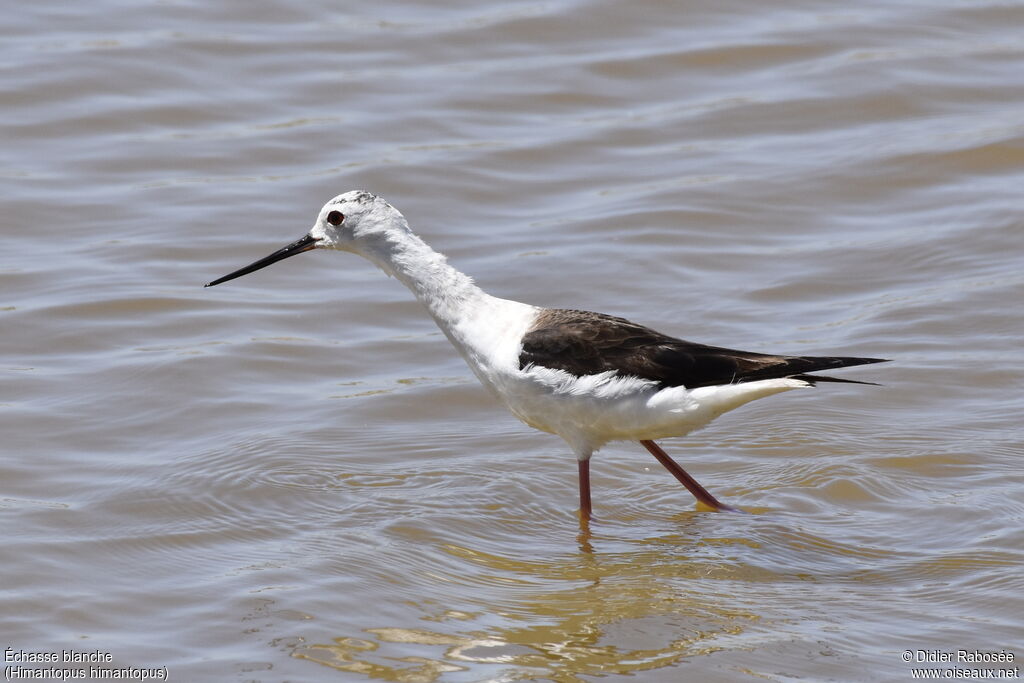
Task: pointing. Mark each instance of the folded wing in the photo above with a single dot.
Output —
(585, 343)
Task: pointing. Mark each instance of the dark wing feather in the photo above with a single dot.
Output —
(584, 343)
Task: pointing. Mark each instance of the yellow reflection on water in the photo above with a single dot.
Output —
(576, 616)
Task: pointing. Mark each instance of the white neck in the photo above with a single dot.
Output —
(448, 294)
(455, 303)
(484, 329)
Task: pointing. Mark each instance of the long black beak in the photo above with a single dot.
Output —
(297, 247)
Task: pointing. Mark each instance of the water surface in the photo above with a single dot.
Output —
(294, 477)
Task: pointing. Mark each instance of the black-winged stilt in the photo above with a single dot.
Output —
(587, 377)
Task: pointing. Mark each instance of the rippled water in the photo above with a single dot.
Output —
(293, 477)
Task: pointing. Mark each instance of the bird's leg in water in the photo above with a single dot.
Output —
(698, 491)
(585, 508)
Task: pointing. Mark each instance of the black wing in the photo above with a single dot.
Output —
(584, 343)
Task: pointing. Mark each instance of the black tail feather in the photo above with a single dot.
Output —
(813, 379)
(831, 363)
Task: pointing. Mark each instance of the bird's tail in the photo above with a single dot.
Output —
(813, 379)
(814, 364)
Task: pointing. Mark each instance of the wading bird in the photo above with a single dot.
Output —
(588, 377)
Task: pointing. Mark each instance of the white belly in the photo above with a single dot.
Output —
(589, 412)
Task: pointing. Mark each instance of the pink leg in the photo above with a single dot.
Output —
(584, 468)
(698, 491)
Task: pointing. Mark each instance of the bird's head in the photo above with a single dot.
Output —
(355, 221)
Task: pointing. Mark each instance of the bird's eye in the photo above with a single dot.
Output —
(335, 217)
